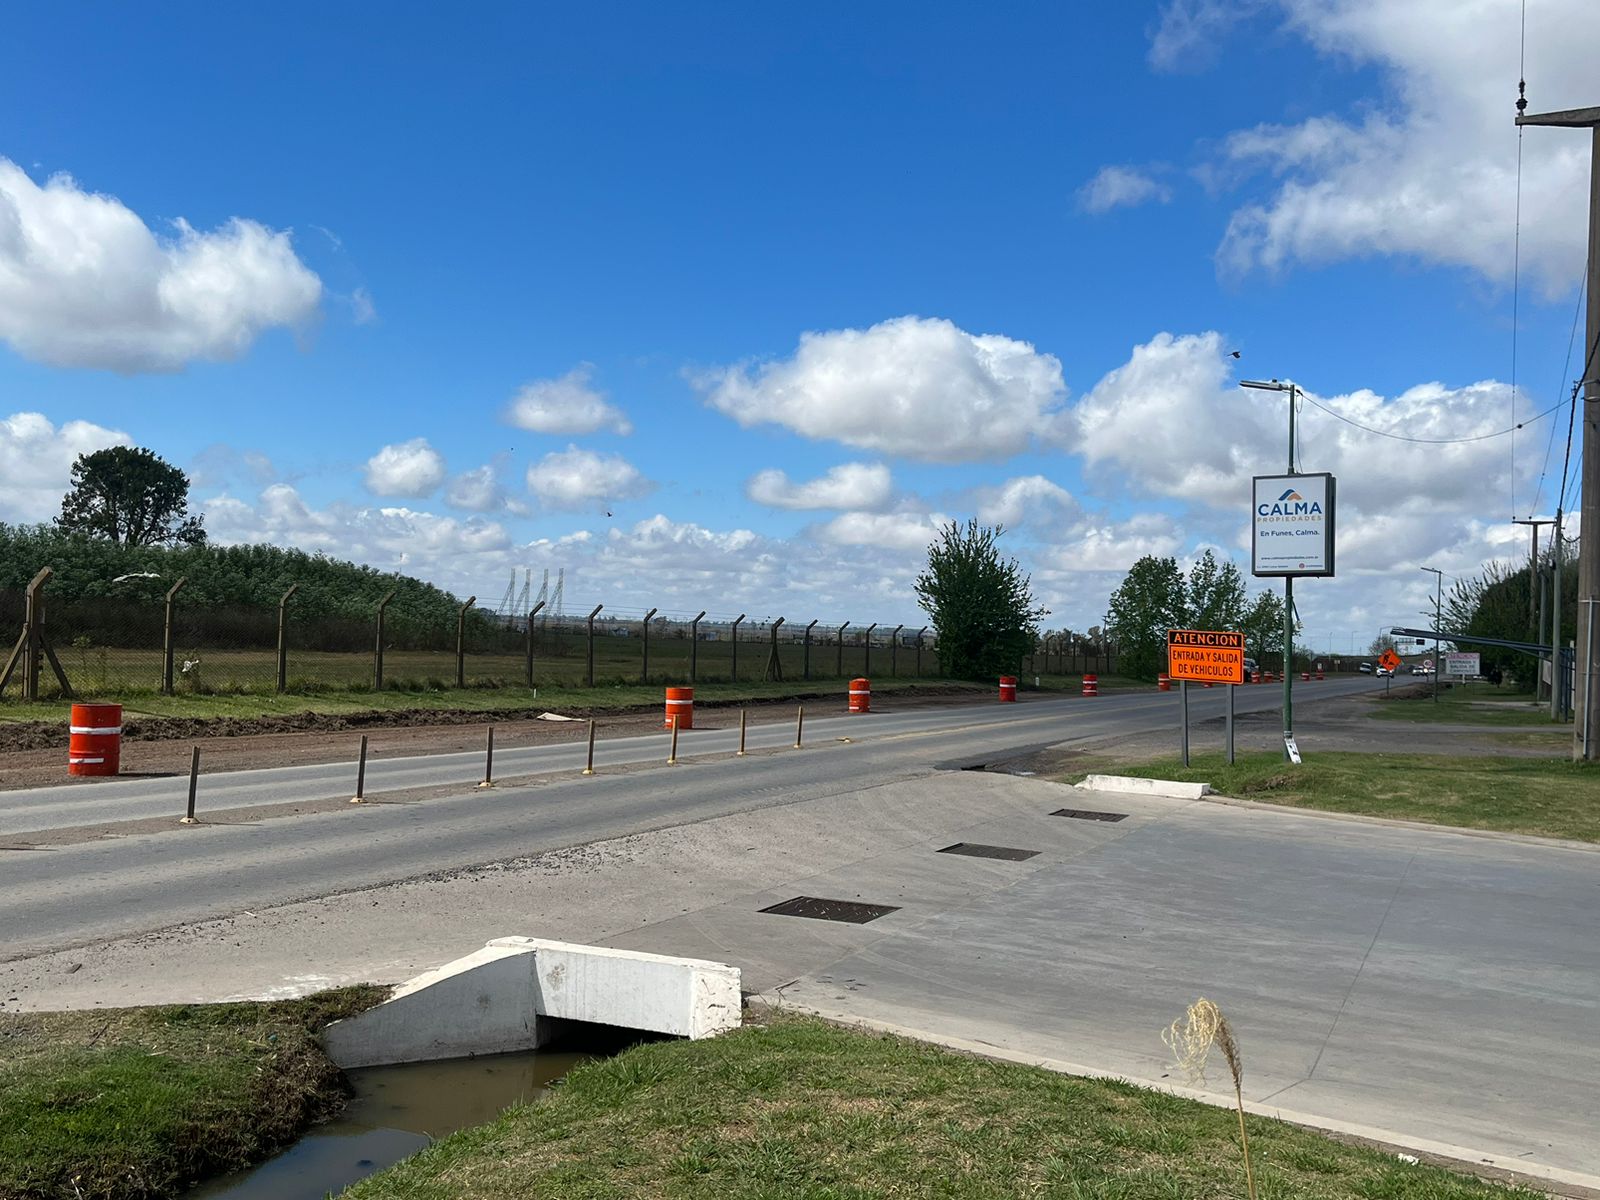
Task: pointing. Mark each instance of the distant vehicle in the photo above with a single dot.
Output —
(1250, 667)
(1365, 668)
(1383, 671)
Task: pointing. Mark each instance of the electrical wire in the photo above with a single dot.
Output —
(1566, 364)
(1516, 248)
(1402, 437)
(1566, 460)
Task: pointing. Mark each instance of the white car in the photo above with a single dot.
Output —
(1383, 671)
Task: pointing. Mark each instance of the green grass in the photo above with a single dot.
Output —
(116, 1103)
(1544, 797)
(802, 1109)
(1465, 704)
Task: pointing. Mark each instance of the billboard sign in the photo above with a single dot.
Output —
(1205, 656)
(1292, 525)
(1463, 664)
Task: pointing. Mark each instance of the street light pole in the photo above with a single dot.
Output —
(1273, 385)
(1438, 597)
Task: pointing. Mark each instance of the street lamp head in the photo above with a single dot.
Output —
(1265, 385)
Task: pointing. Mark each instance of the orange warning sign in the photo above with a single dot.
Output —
(1390, 659)
(1205, 656)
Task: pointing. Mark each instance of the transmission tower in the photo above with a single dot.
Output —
(505, 601)
(561, 587)
(522, 600)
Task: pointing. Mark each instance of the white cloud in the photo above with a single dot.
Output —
(1028, 498)
(36, 462)
(910, 532)
(1121, 187)
(567, 405)
(362, 309)
(849, 485)
(389, 538)
(574, 478)
(1427, 170)
(1191, 33)
(412, 469)
(912, 386)
(84, 282)
(477, 490)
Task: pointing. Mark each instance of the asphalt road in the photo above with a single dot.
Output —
(73, 894)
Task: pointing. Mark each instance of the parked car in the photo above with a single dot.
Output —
(1365, 668)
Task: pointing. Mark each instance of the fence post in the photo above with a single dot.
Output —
(592, 616)
(644, 673)
(166, 638)
(774, 671)
(867, 668)
(283, 640)
(527, 651)
(377, 648)
(734, 632)
(808, 648)
(694, 645)
(461, 642)
(920, 634)
(838, 669)
(894, 652)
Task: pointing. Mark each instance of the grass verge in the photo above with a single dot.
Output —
(800, 1108)
(1463, 704)
(115, 1104)
(1544, 797)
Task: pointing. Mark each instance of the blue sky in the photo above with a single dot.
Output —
(1024, 240)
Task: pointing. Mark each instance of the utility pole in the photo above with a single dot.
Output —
(1438, 598)
(1288, 580)
(1557, 699)
(1586, 728)
(1533, 562)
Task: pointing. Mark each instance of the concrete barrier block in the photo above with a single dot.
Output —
(503, 997)
(1146, 787)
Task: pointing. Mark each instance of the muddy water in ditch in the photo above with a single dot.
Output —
(399, 1110)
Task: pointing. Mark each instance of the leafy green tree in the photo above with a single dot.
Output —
(133, 497)
(1152, 599)
(1382, 643)
(1216, 594)
(1263, 625)
(980, 603)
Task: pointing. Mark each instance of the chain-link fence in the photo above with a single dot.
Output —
(128, 647)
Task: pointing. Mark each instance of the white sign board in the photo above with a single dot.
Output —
(1292, 525)
(1462, 664)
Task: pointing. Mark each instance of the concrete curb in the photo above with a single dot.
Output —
(1170, 789)
(1481, 1163)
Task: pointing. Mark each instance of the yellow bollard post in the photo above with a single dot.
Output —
(799, 725)
(361, 775)
(672, 755)
(588, 768)
(740, 752)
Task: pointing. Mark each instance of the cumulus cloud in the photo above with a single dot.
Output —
(84, 282)
(1028, 498)
(574, 478)
(567, 405)
(480, 490)
(1121, 187)
(1190, 33)
(412, 469)
(913, 386)
(36, 461)
(849, 485)
(1427, 169)
(902, 531)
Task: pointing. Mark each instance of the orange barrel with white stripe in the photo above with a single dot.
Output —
(1008, 689)
(95, 747)
(1255, 677)
(860, 695)
(1163, 682)
(1091, 685)
(1320, 675)
(680, 704)
(1305, 676)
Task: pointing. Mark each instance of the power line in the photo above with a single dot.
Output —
(1516, 252)
(1401, 437)
(1566, 363)
(1566, 460)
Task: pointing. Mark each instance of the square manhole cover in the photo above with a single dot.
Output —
(1088, 814)
(977, 850)
(851, 911)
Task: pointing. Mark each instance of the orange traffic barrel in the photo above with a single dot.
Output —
(1305, 676)
(860, 695)
(95, 745)
(1255, 677)
(1163, 682)
(1091, 685)
(680, 704)
(1320, 675)
(1008, 689)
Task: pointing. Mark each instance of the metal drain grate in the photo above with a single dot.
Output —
(851, 911)
(976, 850)
(1085, 814)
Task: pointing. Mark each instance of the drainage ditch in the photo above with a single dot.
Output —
(398, 1110)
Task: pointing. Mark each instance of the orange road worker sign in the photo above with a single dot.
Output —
(1205, 656)
(1390, 660)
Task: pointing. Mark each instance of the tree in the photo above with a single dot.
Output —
(983, 612)
(1263, 625)
(1216, 594)
(1380, 644)
(1152, 599)
(133, 497)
